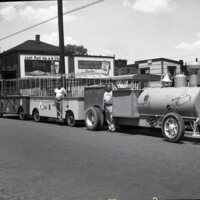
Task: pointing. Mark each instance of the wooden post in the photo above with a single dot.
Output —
(61, 36)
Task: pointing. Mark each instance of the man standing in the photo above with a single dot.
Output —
(59, 94)
(107, 104)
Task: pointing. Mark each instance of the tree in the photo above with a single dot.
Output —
(76, 50)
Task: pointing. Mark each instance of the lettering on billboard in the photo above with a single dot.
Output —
(101, 67)
(89, 64)
(41, 65)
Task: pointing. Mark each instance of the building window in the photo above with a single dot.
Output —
(145, 70)
(171, 70)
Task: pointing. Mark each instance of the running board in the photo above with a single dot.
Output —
(192, 134)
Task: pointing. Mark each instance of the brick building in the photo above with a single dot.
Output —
(122, 68)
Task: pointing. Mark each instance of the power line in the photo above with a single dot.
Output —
(14, 9)
(20, 6)
(50, 19)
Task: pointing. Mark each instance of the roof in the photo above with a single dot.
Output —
(93, 56)
(158, 59)
(132, 66)
(34, 46)
(138, 77)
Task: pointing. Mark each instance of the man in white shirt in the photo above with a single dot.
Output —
(59, 94)
(107, 104)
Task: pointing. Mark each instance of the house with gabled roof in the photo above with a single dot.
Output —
(36, 58)
(10, 59)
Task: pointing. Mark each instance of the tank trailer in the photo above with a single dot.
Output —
(175, 110)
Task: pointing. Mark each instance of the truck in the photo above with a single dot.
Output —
(175, 110)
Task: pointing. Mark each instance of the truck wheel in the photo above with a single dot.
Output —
(36, 115)
(173, 127)
(70, 119)
(22, 116)
(92, 118)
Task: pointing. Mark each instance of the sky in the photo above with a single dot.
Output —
(129, 29)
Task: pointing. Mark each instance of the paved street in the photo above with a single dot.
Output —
(50, 161)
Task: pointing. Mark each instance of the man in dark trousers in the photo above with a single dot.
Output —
(107, 104)
(59, 94)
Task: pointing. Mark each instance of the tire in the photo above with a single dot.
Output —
(92, 118)
(1, 115)
(22, 116)
(36, 115)
(173, 127)
(70, 120)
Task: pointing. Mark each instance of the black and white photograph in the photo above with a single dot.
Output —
(99, 100)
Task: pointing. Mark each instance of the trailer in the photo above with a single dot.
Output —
(34, 96)
(175, 110)
(15, 105)
(10, 100)
(93, 103)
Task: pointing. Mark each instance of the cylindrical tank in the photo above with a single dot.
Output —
(180, 80)
(193, 70)
(156, 101)
(198, 79)
(193, 80)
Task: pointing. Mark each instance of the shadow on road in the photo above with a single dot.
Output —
(43, 120)
(128, 130)
(153, 132)
(132, 130)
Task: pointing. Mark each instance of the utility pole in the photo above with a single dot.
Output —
(61, 36)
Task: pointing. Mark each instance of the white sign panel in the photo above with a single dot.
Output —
(40, 65)
(91, 66)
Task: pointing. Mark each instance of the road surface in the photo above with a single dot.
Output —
(50, 161)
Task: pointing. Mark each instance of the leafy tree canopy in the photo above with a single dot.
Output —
(76, 50)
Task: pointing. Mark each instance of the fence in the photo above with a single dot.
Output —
(46, 86)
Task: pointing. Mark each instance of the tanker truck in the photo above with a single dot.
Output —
(175, 110)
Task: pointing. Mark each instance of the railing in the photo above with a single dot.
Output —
(45, 86)
(38, 86)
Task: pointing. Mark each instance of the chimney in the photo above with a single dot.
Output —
(37, 39)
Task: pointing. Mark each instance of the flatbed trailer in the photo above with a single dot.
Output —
(44, 107)
(35, 97)
(15, 105)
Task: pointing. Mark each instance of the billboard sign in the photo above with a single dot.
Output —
(94, 66)
(102, 67)
(39, 65)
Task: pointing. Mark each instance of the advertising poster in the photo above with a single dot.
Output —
(94, 66)
(101, 67)
(33, 65)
